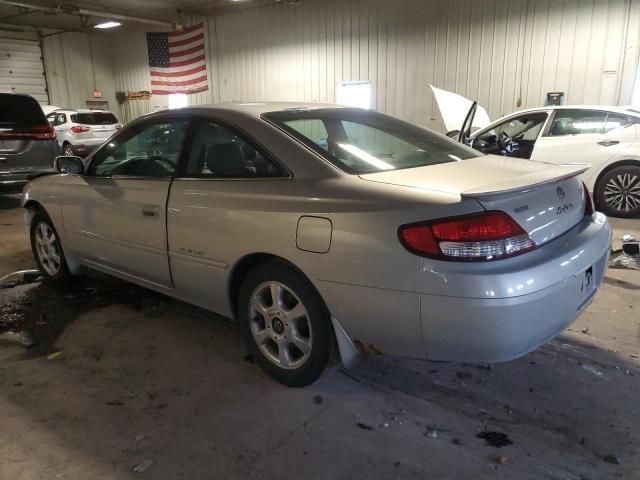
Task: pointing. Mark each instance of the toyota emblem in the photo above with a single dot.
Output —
(560, 193)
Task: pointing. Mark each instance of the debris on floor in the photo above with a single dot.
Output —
(592, 369)
(364, 426)
(143, 466)
(502, 459)
(628, 256)
(317, 399)
(21, 277)
(611, 459)
(54, 355)
(495, 439)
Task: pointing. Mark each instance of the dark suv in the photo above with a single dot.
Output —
(27, 141)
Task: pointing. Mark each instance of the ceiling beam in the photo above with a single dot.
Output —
(73, 10)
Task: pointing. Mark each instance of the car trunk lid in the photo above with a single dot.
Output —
(546, 200)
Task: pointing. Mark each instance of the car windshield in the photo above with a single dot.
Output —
(20, 111)
(103, 118)
(363, 141)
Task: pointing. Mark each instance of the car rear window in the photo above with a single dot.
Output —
(20, 111)
(364, 141)
(94, 118)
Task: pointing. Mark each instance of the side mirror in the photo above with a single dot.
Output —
(70, 164)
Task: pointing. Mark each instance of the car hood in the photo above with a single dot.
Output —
(454, 108)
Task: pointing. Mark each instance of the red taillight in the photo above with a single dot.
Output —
(485, 236)
(44, 132)
(80, 129)
(588, 204)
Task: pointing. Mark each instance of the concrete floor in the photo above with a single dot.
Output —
(135, 376)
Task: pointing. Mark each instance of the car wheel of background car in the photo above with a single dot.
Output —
(47, 249)
(67, 150)
(618, 192)
(286, 325)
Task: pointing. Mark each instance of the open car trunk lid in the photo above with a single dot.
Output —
(545, 199)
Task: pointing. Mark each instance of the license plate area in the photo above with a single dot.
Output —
(586, 285)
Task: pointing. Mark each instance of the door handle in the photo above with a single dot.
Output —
(150, 211)
(608, 143)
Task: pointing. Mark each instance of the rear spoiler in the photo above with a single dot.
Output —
(529, 181)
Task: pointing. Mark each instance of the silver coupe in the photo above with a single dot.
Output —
(329, 230)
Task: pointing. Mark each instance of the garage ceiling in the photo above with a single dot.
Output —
(26, 15)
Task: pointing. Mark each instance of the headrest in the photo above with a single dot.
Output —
(225, 159)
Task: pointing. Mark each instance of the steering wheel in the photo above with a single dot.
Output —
(155, 161)
(507, 144)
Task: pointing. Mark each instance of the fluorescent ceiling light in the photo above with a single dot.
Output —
(107, 25)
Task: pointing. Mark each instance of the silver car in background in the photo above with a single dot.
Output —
(27, 142)
(326, 229)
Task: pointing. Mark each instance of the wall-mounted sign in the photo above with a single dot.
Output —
(97, 94)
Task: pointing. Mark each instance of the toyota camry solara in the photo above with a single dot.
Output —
(328, 230)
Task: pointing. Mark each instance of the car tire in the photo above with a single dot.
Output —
(67, 150)
(290, 338)
(618, 192)
(47, 249)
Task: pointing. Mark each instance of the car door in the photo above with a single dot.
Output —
(584, 136)
(515, 136)
(219, 196)
(116, 220)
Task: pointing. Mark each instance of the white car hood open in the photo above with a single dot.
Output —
(454, 108)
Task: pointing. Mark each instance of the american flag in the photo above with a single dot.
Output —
(177, 61)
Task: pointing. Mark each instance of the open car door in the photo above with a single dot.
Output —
(455, 111)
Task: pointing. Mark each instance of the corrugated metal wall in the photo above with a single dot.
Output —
(77, 64)
(506, 53)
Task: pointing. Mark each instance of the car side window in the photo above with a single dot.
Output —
(618, 120)
(143, 150)
(577, 122)
(51, 118)
(524, 127)
(219, 152)
(61, 118)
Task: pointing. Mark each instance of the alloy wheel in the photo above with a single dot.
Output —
(622, 192)
(68, 151)
(47, 249)
(280, 325)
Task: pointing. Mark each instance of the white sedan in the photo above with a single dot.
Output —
(327, 229)
(605, 137)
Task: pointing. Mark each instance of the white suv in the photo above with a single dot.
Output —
(80, 131)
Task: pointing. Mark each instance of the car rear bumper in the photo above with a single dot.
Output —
(479, 312)
(13, 182)
(490, 329)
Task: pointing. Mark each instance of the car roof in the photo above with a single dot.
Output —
(256, 109)
(80, 110)
(605, 108)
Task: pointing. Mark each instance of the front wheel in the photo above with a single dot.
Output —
(618, 192)
(287, 327)
(47, 249)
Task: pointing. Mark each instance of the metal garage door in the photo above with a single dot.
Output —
(21, 69)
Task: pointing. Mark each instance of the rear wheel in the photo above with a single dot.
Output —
(46, 248)
(618, 192)
(67, 150)
(287, 327)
